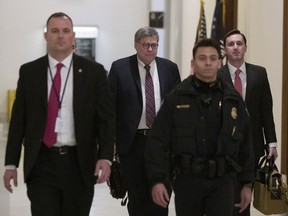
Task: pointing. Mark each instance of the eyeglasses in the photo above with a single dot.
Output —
(153, 46)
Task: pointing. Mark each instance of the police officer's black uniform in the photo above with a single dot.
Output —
(203, 131)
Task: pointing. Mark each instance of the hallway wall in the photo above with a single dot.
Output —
(22, 40)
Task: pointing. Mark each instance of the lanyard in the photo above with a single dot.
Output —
(53, 85)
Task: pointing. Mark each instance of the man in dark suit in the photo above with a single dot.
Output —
(255, 90)
(127, 84)
(61, 166)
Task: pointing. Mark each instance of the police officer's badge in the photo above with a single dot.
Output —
(234, 113)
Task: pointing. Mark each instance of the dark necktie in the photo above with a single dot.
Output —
(238, 82)
(150, 99)
(50, 136)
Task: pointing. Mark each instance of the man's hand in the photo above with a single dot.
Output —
(102, 171)
(246, 198)
(272, 152)
(10, 174)
(160, 195)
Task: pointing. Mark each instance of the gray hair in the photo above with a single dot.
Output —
(145, 32)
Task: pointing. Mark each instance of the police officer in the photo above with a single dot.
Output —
(200, 141)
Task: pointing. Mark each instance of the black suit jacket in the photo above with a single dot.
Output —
(94, 116)
(259, 103)
(126, 91)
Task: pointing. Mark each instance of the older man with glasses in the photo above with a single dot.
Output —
(139, 84)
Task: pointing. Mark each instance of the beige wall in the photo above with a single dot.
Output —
(21, 37)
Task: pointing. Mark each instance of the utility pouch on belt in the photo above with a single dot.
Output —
(216, 167)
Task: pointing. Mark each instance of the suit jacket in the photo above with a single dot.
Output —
(94, 116)
(259, 103)
(126, 91)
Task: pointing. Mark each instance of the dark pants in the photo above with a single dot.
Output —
(237, 189)
(200, 196)
(55, 186)
(140, 201)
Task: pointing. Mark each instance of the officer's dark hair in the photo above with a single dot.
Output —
(208, 42)
(233, 32)
(57, 15)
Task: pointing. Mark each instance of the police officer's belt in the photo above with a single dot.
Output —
(201, 167)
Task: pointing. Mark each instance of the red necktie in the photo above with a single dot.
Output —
(50, 136)
(150, 100)
(238, 82)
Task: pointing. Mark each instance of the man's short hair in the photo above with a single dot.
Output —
(208, 42)
(56, 15)
(233, 32)
(145, 32)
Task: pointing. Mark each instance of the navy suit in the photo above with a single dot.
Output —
(259, 103)
(125, 85)
(94, 118)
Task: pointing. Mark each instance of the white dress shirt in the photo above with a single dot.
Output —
(65, 120)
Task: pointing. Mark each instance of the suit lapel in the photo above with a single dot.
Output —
(135, 71)
(42, 70)
(78, 77)
(161, 73)
(249, 82)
